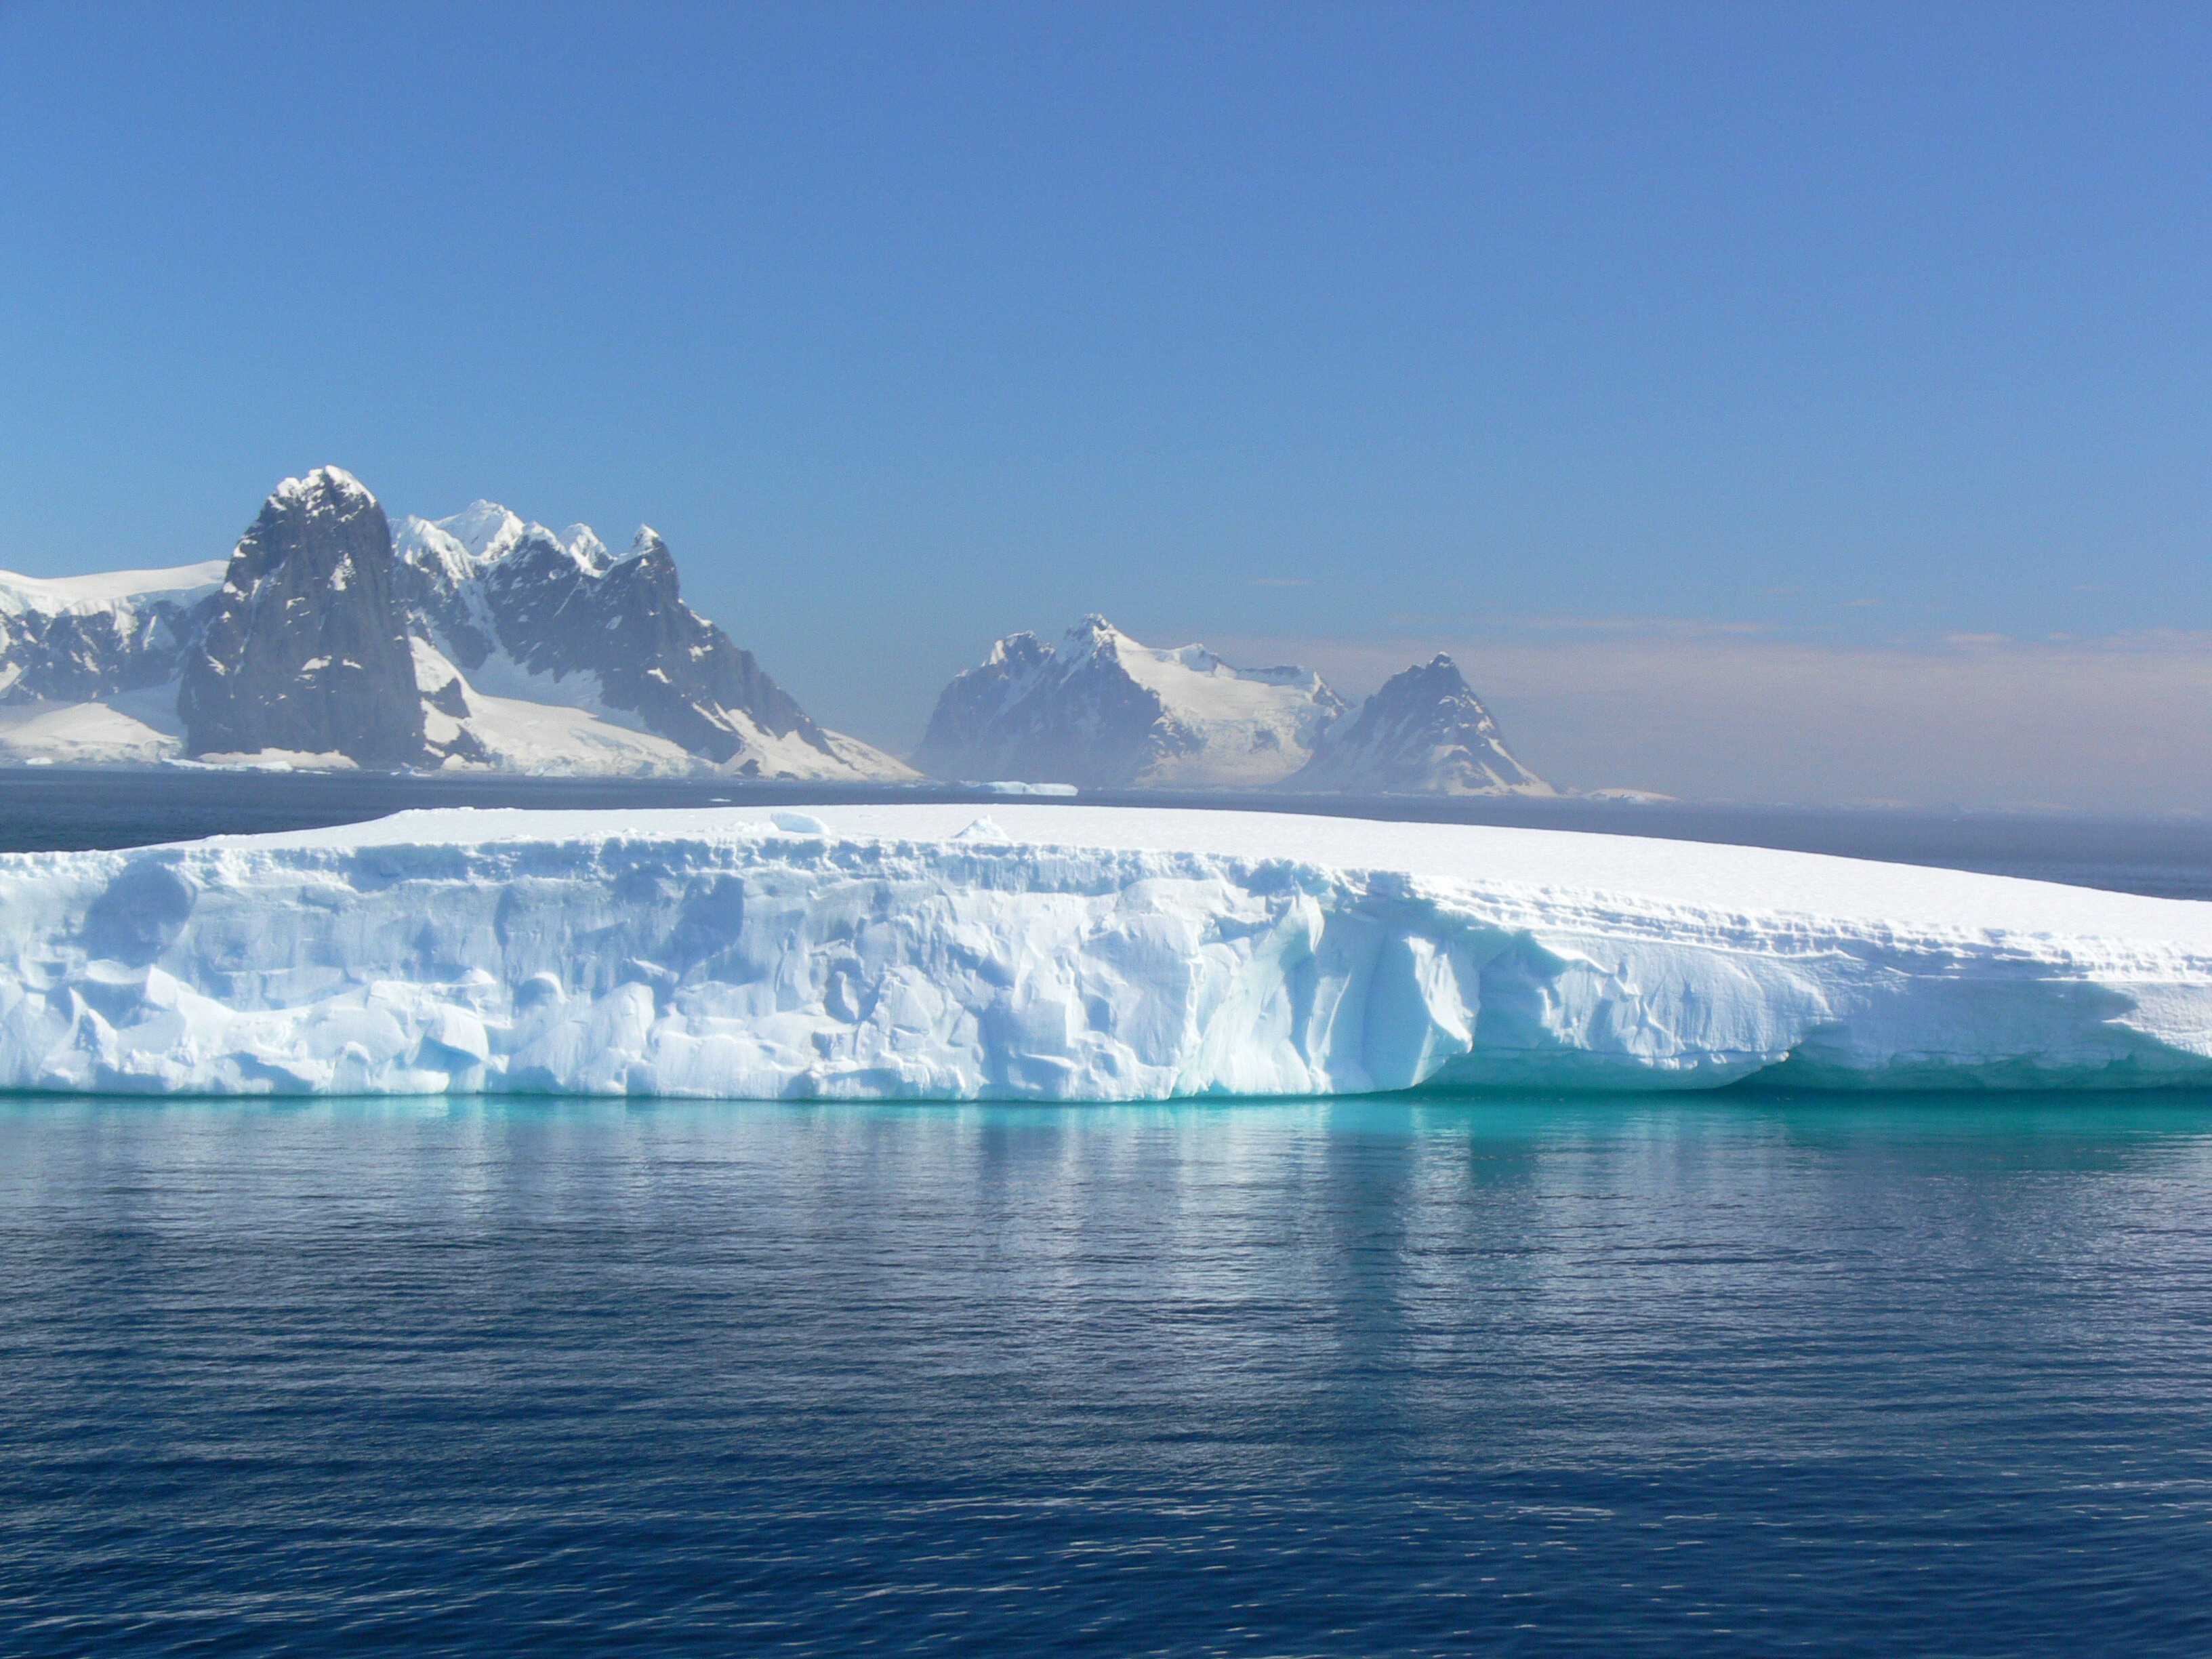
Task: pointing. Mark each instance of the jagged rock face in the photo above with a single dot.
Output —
(501, 599)
(326, 634)
(305, 648)
(78, 639)
(654, 655)
(1426, 732)
(1015, 717)
(76, 659)
(1102, 711)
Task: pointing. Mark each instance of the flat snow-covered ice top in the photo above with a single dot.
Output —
(1034, 952)
(1668, 873)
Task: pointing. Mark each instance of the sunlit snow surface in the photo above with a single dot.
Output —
(1071, 953)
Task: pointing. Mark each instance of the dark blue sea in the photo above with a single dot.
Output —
(1738, 1373)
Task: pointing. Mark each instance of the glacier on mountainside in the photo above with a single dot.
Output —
(1100, 710)
(131, 728)
(89, 665)
(1062, 953)
(545, 651)
(73, 640)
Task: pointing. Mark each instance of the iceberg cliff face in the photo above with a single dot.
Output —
(1062, 954)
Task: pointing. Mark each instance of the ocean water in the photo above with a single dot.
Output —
(1740, 1373)
(52, 808)
(1731, 1374)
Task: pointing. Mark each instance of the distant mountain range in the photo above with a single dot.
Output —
(330, 637)
(1101, 711)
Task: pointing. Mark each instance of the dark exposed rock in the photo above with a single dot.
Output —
(555, 610)
(305, 648)
(57, 647)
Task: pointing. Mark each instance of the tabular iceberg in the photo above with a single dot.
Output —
(1062, 953)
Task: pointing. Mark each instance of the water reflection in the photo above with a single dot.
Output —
(1368, 1375)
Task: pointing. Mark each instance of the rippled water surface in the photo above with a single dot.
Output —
(1738, 1375)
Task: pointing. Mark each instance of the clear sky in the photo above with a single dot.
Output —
(1776, 402)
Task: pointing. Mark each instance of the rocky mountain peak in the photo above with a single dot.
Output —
(327, 490)
(485, 530)
(1426, 732)
(303, 648)
(1093, 636)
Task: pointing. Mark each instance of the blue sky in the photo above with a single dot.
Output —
(1718, 355)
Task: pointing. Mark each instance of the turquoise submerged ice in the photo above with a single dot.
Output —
(1062, 953)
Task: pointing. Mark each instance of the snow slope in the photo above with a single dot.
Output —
(1424, 733)
(133, 728)
(183, 585)
(1100, 710)
(79, 639)
(520, 615)
(1063, 953)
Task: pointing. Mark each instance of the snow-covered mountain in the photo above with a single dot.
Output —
(78, 638)
(478, 639)
(89, 665)
(1102, 711)
(509, 613)
(1424, 733)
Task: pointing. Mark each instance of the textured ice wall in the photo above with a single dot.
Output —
(720, 958)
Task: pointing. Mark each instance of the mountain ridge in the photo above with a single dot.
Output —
(325, 640)
(1102, 710)
(484, 640)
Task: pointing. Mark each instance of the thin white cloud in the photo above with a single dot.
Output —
(1663, 626)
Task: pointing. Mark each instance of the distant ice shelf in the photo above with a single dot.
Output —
(1062, 952)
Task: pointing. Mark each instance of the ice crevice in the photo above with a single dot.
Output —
(1061, 953)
